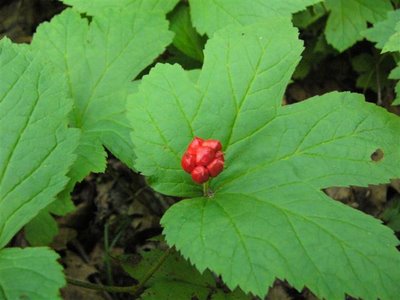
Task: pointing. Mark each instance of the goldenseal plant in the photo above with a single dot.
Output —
(267, 216)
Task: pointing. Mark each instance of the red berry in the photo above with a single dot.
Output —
(215, 167)
(194, 145)
(188, 162)
(200, 174)
(220, 155)
(213, 144)
(204, 155)
(203, 159)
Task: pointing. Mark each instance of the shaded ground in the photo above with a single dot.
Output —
(117, 213)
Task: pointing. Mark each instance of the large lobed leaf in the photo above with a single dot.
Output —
(242, 69)
(99, 61)
(37, 147)
(31, 273)
(268, 217)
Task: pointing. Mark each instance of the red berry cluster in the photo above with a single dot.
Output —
(203, 159)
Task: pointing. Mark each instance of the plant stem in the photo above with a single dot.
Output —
(205, 189)
(133, 289)
(100, 287)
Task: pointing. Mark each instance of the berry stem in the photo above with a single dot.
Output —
(205, 188)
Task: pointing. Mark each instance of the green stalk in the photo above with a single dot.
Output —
(205, 189)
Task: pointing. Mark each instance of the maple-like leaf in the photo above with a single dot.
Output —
(268, 217)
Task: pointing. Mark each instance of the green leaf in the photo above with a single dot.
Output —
(186, 38)
(348, 19)
(397, 90)
(37, 146)
(391, 214)
(31, 273)
(393, 43)
(372, 71)
(293, 233)
(305, 18)
(41, 230)
(268, 208)
(99, 60)
(175, 56)
(386, 35)
(210, 15)
(235, 295)
(175, 279)
(382, 31)
(254, 81)
(395, 74)
(94, 7)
